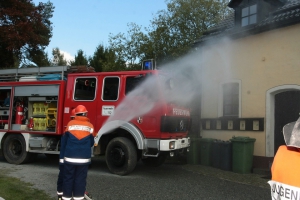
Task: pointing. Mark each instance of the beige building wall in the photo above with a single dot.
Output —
(259, 63)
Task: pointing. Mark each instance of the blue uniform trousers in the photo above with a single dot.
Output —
(60, 180)
(74, 181)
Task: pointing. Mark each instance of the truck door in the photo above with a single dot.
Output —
(84, 93)
(110, 96)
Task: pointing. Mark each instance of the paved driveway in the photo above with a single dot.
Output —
(170, 181)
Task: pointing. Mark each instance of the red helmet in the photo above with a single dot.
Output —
(73, 113)
(80, 109)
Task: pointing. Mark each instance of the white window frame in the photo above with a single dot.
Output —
(74, 88)
(103, 85)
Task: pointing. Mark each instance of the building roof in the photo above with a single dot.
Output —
(285, 15)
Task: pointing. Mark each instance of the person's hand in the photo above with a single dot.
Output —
(95, 144)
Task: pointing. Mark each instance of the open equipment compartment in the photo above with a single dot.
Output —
(40, 108)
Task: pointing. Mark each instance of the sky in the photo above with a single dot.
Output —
(85, 24)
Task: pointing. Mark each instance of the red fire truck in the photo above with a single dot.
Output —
(41, 99)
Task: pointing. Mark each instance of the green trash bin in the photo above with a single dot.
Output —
(216, 153)
(206, 151)
(242, 154)
(193, 156)
(226, 155)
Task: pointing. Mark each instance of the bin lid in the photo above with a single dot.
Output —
(225, 142)
(242, 139)
(207, 140)
(195, 139)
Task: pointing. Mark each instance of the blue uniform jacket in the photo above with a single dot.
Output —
(76, 151)
(76, 142)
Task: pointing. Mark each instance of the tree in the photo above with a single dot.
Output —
(39, 57)
(58, 58)
(174, 30)
(130, 47)
(80, 59)
(106, 59)
(24, 29)
(171, 32)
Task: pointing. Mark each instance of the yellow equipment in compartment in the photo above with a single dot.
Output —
(51, 117)
(36, 124)
(42, 122)
(36, 108)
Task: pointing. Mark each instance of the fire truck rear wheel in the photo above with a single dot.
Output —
(14, 150)
(121, 156)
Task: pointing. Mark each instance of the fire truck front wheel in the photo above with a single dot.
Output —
(14, 149)
(121, 156)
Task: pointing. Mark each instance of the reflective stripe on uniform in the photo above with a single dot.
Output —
(80, 128)
(59, 193)
(77, 160)
(78, 198)
(67, 198)
(61, 160)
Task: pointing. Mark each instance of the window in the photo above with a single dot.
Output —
(231, 99)
(85, 89)
(143, 87)
(110, 90)
(5, 97)
(249, 15)
(133, 82)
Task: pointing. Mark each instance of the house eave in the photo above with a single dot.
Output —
(237, 33)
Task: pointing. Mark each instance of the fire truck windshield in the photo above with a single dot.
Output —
(132, 82)
(143, 85)
(163, 86)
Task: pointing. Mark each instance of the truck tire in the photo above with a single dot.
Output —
(155, 161)
(14, 150)
(121, 156)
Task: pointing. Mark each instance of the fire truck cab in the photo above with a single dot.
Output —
(131, 126)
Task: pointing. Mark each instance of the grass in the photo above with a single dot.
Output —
(13, 188)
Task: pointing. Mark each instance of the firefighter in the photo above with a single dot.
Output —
(76, 146)
(61, 170)
(285, 183)
(61, 167)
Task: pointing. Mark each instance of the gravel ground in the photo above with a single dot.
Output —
(247, 179)
(170, 181)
